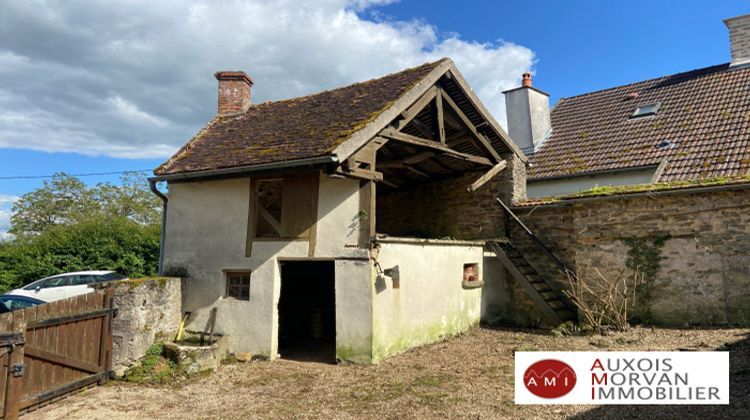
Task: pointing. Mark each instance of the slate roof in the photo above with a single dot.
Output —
(298, 128)
(703, 125)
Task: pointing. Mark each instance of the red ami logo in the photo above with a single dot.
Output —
(549, 378)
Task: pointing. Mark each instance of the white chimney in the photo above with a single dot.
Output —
(527, 110)
(739, 39)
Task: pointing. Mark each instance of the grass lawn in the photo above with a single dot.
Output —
(470, 376)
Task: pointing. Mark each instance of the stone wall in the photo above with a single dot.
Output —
(148, 310)
(691, 248)
(445, 208)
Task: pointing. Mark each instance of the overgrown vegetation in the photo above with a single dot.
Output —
(153, 368)
(610, 190)
(644, 256)
(603, 304)
(66, 226)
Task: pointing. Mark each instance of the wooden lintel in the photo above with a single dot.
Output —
(433, 145)
(472, 129)
(417, 107)
(487, 176)
(360, 174)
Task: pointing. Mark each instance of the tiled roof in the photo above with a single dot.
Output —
(702, 124)
(304, 127)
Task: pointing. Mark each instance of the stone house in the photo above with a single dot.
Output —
(348, 224)
(681, 127)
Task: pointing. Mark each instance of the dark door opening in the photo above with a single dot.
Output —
(307, 311)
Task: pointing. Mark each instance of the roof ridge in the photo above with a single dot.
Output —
(682, 73)
(296, 98)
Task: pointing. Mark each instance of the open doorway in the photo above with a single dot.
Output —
(307, 311)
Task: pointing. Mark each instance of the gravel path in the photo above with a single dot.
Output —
(467, 376)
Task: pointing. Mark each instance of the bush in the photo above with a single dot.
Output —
(604, 303)
(100, 243)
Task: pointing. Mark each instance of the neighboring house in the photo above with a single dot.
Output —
(686, 126)
(346, 224)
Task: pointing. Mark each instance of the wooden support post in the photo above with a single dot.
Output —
(487, 176)
(439, 117)
(214, 310)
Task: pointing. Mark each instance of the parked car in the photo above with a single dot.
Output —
(9, 303)
(66, 285)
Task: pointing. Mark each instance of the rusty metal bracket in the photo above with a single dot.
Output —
(17, 370)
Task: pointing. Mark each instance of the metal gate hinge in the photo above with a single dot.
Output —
(17, 370)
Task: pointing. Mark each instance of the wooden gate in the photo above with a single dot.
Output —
(53, 349)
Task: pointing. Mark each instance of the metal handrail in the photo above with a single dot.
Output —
(510, 216)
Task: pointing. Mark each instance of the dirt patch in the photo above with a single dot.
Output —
(468, 376)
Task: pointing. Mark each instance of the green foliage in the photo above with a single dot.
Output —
(66, 226)
(66, 200)
(644, 256)
(153, 368)
(99, 243)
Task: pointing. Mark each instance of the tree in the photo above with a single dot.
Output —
(66, 200)
(66, 226)
(99, 243)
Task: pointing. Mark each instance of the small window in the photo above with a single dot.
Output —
(238, 285)
(471, 278)
(645, 110)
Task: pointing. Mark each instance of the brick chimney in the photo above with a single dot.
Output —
(739, 39)
(527, 110)
(234, 91)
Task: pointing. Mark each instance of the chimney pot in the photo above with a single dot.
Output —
(526, 80)
(234, 92)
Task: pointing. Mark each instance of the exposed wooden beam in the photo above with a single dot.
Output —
(270, 219)
(470, 126)
(487, 176)
(439, 116)
(390, 184)
(402, 165)
(360, 173)
(417, 107)
(433, 145)
(424, 128)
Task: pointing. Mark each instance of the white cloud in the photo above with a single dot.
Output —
(6, 203)
(134, 78)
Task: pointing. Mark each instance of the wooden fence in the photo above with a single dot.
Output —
(50, 350)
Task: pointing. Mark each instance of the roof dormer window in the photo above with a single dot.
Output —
(645, 110)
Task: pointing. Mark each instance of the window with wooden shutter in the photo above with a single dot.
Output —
(283, 208)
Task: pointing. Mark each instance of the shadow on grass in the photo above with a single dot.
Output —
(739, 395)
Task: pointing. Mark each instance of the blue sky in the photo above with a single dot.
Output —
(88, 87)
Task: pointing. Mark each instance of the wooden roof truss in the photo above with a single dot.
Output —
(433, 138)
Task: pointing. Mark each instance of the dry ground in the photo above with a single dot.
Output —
(467, 376)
